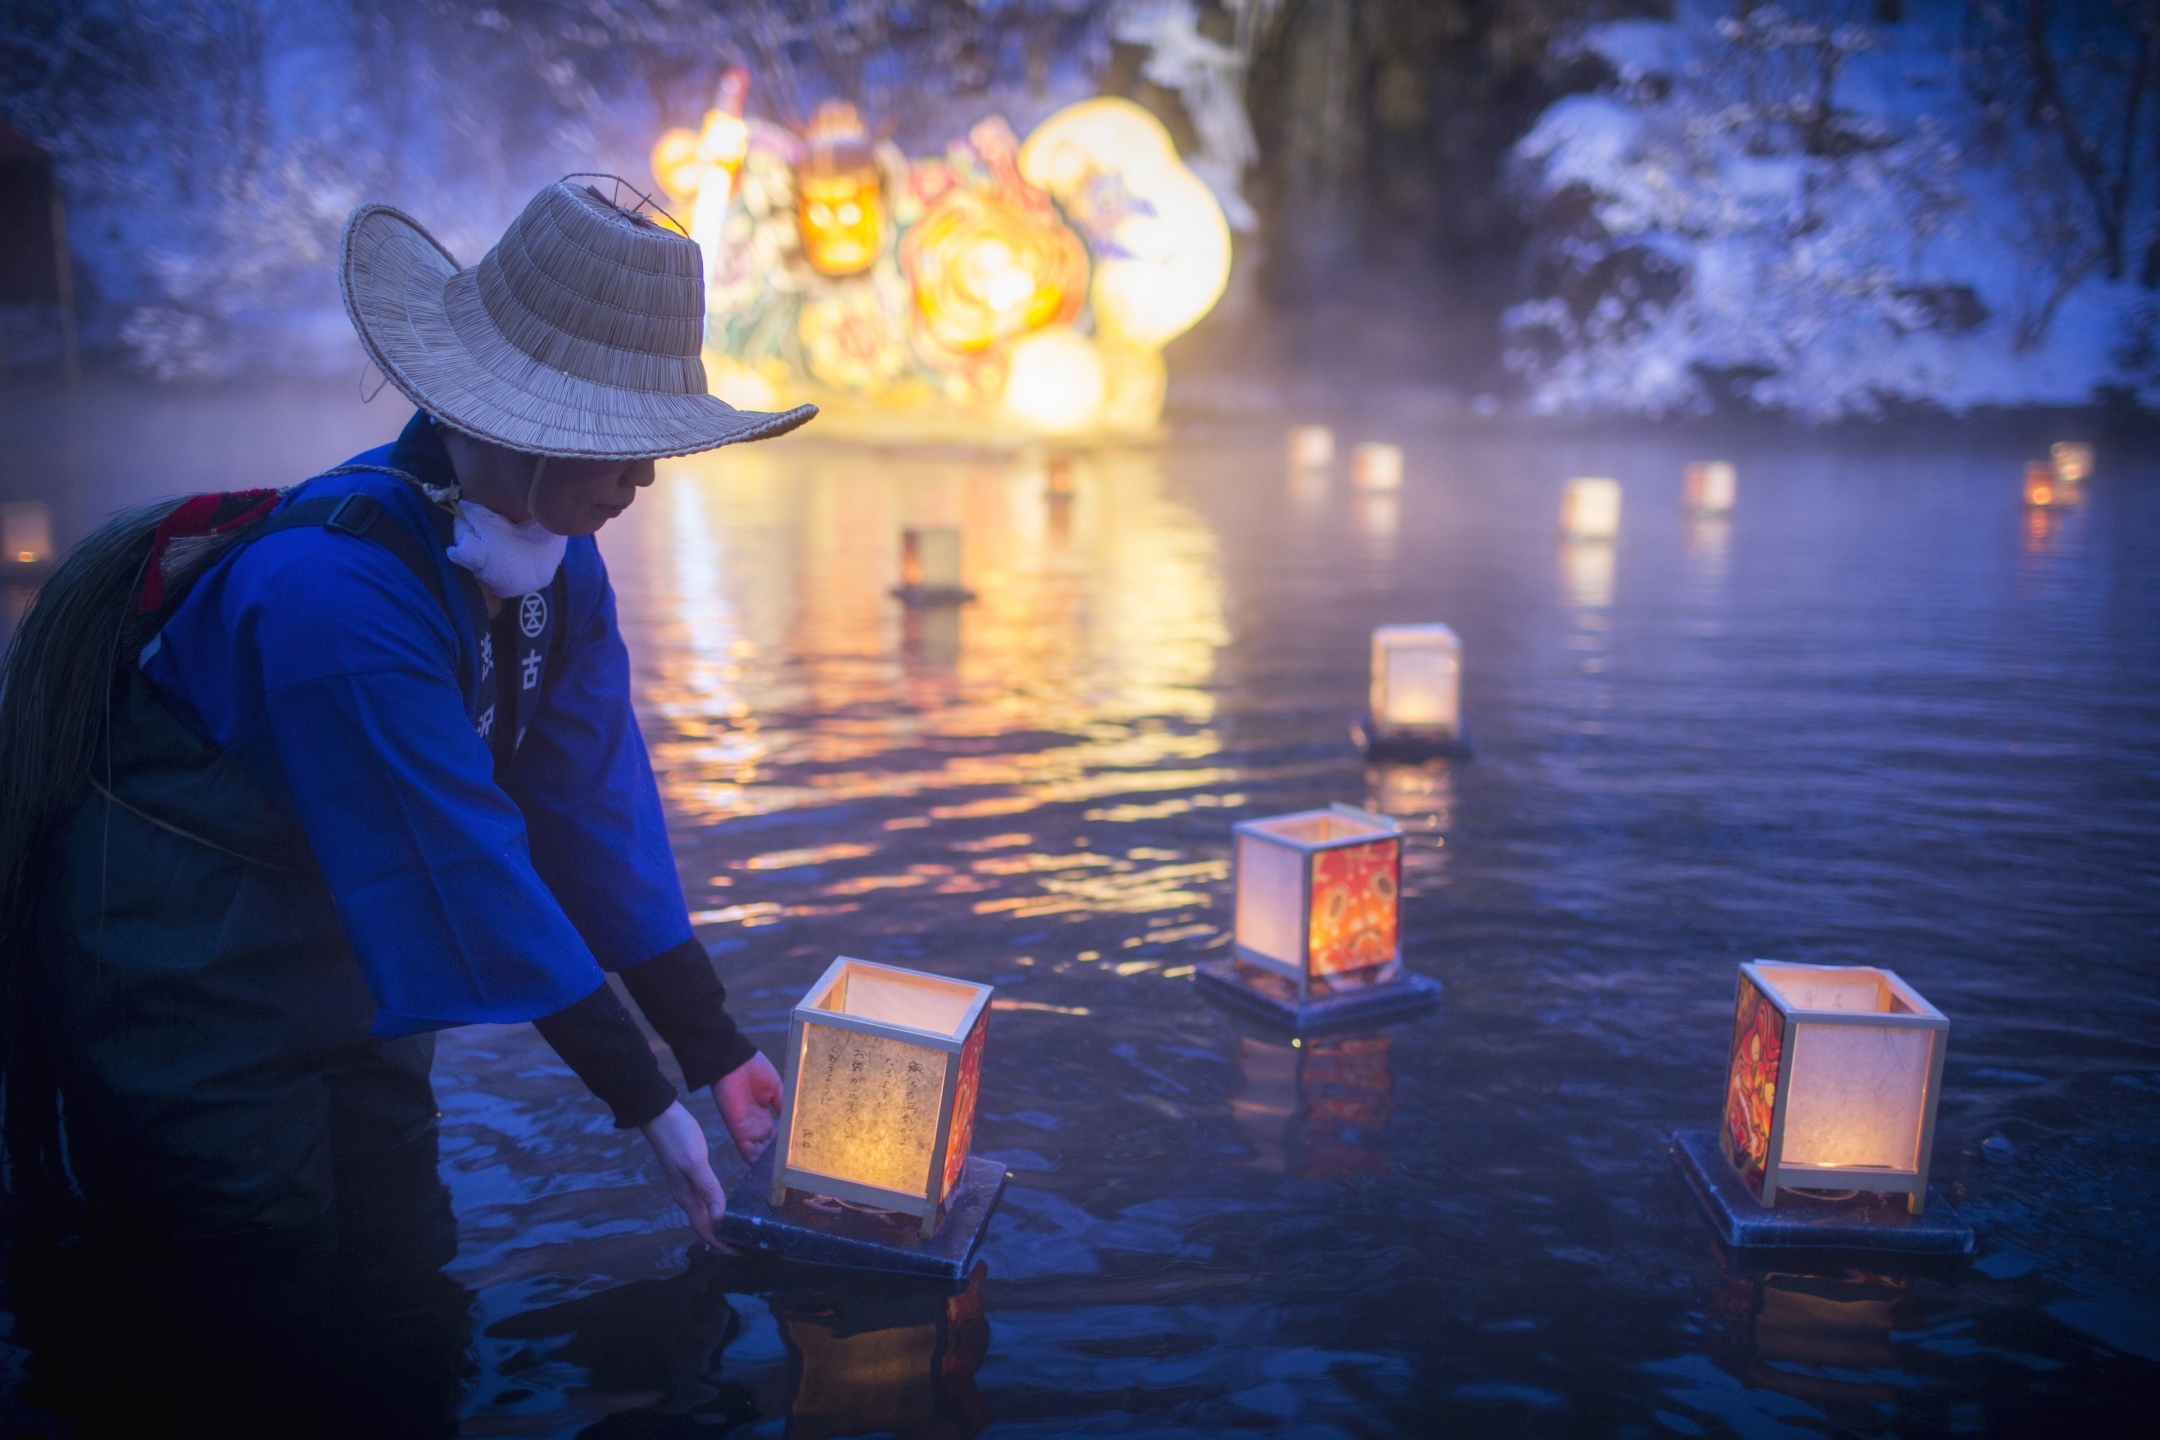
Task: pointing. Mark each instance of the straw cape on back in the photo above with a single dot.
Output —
(579, 334)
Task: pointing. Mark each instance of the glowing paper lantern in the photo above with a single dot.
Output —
(1056, 380)
(1135, 383)
(1374, 466)
(1162, 246)
(1590, 510)
(930, 561)
(883, 1069)
(1311, 446)
(2073, 461)
(1708, 487)
(1833, 1081)
(2042, 491)
(26, 536)
(1417, 680)
(1318, 894)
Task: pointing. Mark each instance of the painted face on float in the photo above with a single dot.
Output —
(840, 202)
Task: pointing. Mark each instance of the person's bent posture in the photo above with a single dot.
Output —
(356, 762)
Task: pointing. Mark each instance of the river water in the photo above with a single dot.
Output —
(1882, 715)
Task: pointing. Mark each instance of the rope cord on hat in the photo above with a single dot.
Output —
(620, 186)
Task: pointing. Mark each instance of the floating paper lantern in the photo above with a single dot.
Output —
(1312, 447)
(2073, 461)
(1318, 894)
(1374, 466)
(883, 1068)
(1417, 681)
(1591, 509)
(930, 566)
(26, 536)
(1708, 487)
(1833, 1081)
(2042, 490)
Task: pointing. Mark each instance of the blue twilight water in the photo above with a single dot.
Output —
(1881, 715)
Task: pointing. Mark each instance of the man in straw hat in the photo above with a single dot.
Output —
(377, 773)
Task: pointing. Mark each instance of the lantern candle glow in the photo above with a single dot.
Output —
(1374, 466)
(883, 1068)
(1312, 447)
(1709, 487)
(2073, 461)
(26, 536)
(2043, 491)
(1833, 1081)
(1590, 510)
(1416, 709)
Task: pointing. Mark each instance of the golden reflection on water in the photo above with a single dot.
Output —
(1306, 1107)
(773, 638)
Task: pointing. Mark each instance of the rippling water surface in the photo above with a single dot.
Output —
(1880, 716)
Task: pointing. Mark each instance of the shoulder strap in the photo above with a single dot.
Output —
(363, 517)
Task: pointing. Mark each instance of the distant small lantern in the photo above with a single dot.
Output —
(1416, 701)
(930, 567)
(26, 536)
(2042, 490)
(1374, 466)
(2073, 461)
(1709, 487)
(1833, 1081)
(1312, 447)
(1590, 510)
(883, 1065)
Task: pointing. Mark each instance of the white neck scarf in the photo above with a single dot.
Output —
(507, 559)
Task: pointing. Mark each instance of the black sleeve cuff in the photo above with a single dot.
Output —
(600, 1042)
(686, 1003)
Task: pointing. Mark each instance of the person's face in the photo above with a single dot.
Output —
(577, 497)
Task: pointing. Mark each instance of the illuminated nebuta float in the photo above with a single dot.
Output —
(1008, 286)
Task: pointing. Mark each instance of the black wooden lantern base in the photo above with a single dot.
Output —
(1268, 996)
(814, 1235)
(927, 597)
(1868, 1221)
(1407, 746)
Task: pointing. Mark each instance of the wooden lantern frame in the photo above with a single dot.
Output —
(1776, 1172)
(1299, 971)
(969, 1030)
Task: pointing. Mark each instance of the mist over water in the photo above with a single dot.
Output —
(1881, 715)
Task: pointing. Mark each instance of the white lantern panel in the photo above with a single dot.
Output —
(1857, 1096)
(866, 1108)
(1421, 688)
(26, 536)
(937, 558)
(1270, 899)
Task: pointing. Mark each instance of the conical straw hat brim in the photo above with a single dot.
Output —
(420, 319)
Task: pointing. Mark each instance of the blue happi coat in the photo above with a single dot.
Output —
(350, 695)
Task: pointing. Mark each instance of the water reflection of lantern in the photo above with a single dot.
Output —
(1587, 571)
(2073, 461)
(1416, 704)
(1308, 1106)
(883, 1067)
(1311, 446)
(2042, 490)
(1056, 380)
(930, 566)
(875, 1360)
(1823, 1339)
(1833, 1081)
(26, 536)
(1590, 510)
(1374, 466)
(839, 203)
(1318, 919)
(1708, 487)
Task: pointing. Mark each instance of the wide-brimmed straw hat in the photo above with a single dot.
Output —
(577, 335)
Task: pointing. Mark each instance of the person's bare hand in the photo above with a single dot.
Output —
(749, 1101)
(686, 1165)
